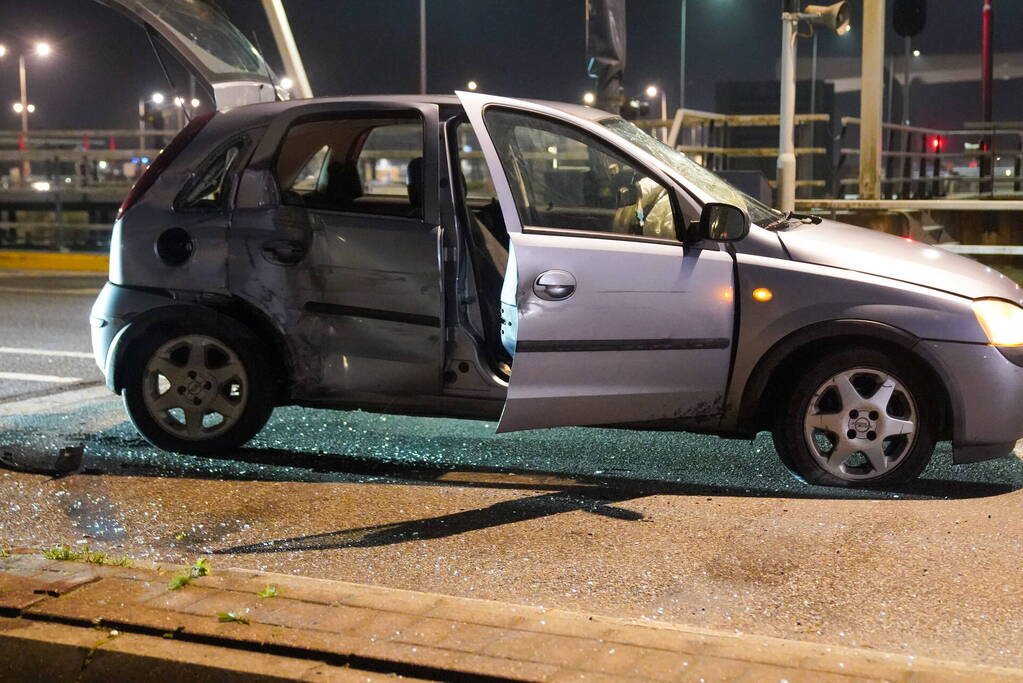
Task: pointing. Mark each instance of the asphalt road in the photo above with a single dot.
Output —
(44, 332)
(663, 527)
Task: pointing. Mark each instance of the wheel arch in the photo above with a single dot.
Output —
(244, 317)
(777, 371)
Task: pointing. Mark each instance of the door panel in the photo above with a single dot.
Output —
(645, 335)
(371, 303)
(357, 295)
(612, 320)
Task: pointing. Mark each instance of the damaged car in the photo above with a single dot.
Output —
(535, 263)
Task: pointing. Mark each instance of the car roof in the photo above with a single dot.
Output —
(252, 112)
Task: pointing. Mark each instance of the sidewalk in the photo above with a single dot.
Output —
(63, 621)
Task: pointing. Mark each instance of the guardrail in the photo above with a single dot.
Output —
(921, 162)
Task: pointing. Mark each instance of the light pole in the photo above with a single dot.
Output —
(835, 17)
(24, 109)
(682, 59)
(422, 47)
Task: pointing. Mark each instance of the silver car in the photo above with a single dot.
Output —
(539, 263)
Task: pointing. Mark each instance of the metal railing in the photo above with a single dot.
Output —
(707, 137)
(925, 163)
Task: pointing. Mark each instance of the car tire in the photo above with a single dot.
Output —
(858, 418)
(198, 388)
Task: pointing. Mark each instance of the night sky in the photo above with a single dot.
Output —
(532, 48)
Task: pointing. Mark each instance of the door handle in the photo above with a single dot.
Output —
(288, 252)
(554, 285)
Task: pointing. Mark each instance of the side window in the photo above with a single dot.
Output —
(206, 189)
(385, 157)
(564, 178)
(358, 164)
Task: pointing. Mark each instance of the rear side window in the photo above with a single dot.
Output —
(208, 188)
(358, 164)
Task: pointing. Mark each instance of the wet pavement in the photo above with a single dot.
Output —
(44, 333)
(664, 527)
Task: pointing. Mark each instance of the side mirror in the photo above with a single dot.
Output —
(722, 223)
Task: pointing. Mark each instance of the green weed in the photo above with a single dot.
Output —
(62, 552)
(268, 592)
(201, 567)
(179, 581)
(231, 616)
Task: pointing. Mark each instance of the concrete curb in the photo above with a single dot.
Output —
(80, 621)
(47, 260)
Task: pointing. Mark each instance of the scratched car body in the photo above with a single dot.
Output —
(535, 263)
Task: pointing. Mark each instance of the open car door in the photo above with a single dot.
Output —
(210, 45)
(617, 320)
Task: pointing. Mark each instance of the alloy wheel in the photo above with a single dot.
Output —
(195, 387)
(861, 424)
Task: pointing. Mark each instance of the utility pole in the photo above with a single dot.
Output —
(23, 166)
(422, 47)
(286, 45)
(682, 60)
(786, 125)
(987, 166)
(871, 104)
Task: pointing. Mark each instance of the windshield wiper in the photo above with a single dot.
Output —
(793, 216)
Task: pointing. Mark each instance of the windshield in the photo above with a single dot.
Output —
(209, 35)
(707, 181)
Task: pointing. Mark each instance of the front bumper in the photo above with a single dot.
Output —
(986, 392)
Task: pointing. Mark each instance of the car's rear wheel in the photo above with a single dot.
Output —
(193, 389)
(858, 418)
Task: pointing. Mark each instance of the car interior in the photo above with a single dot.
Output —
(354, 164)
(487, 236)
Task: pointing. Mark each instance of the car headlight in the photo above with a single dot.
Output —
(1002, 321)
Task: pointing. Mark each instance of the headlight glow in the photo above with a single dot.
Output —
(1002, 321)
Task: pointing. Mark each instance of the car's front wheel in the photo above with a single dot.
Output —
(197, 390)
(858, 418)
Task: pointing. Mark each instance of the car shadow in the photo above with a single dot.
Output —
(572, 469)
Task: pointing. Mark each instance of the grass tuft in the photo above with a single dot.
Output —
(268, 592)
(231, 616)
(201, 567)
(62, 552)
(66, 553)
(179, 581)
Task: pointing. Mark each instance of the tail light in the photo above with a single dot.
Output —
(166, 157)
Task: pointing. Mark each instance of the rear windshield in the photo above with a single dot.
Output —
(209, 35)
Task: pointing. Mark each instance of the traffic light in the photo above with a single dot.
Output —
(909, 17)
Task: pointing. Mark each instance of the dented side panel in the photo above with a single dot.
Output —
(358, 297)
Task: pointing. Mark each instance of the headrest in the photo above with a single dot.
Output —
(343, 184)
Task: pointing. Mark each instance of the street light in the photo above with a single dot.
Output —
(157, 98)
(195, 103)
(472, 85)
(589, 98)
(653, 91)
(24, 109)
(834, 17)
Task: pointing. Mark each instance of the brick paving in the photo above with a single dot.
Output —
(92, 622)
